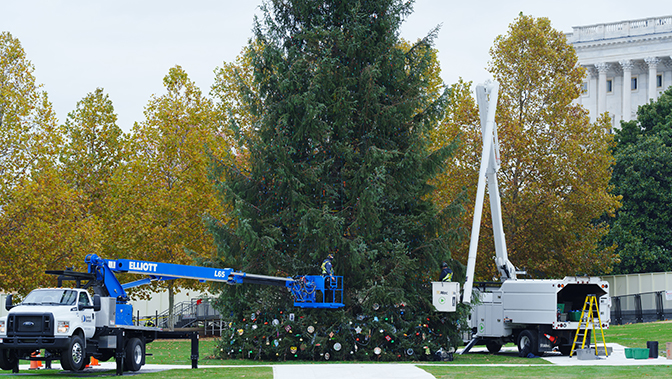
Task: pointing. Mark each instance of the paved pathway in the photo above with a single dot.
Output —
(351, 371)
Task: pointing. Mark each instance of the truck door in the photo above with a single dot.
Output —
(88, 322)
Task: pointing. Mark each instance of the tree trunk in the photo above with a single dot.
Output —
(171, 306)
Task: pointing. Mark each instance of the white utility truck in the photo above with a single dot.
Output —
(71, 326)
(541, 313)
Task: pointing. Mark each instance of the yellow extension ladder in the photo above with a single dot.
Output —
(588, 316)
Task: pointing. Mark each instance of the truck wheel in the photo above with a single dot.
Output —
(7, 359)
(64, 363)
(73, 357)
(135, 352)
(528, 337)
(493, 347)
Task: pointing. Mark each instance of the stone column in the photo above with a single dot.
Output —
(653, 63)
(667, 75)
(602, 69)
(627, 88)
(592, 92)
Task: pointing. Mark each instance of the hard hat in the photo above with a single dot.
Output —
(330, 256)
(444, 264)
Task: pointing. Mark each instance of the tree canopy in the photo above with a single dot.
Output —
(555, 164)
(162, 191)
(24, 112)
(643, 176)
(43, 222)
(340, 162)
(92, 149)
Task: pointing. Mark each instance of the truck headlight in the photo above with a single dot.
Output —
(2, 327)
(63, 326)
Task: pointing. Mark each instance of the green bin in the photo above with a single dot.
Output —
(628, 352)
(640, 353)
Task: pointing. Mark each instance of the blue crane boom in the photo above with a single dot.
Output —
(304, 289)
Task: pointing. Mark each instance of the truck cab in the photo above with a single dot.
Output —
(59, 320)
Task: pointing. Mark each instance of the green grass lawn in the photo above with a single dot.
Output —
(636, 335)
(178, 352)
(236, 372)
(200, 373)
(632, 335)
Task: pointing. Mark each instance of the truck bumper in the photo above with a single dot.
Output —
(33, 343)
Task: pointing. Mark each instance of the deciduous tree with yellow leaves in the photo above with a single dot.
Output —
(44, 223)
(162, 191)
(556, 165)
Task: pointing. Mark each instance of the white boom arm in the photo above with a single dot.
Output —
(486, 95)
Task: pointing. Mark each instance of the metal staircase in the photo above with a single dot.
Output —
(194, 312)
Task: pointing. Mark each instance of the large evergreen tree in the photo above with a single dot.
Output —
(340, 163)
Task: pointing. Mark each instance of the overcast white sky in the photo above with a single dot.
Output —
(127, 47)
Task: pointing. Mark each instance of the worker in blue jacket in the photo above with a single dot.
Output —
(446, 273)
(327, 267)
(328, 271)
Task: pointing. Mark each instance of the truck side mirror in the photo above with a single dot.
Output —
(8, 302)
(95, 306)
(96, 303)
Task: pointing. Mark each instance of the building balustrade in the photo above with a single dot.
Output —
(620, 29)
(628, 64)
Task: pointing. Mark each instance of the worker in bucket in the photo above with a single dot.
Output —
(327, 267)
(446, 273)
(328, 271)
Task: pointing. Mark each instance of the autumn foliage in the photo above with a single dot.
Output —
(556, 165)
(345, 150)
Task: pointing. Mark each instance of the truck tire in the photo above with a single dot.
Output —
(135, 353)
(73, 357)
(493, 347)
(7, 359)
(528, 337)
(64, 363)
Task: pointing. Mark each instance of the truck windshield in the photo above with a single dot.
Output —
(51, 297)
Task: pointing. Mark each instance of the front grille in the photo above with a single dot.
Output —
(32, 341)
(35, 324)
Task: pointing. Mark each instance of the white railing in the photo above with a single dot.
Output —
(621, 29)
(639, 283)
